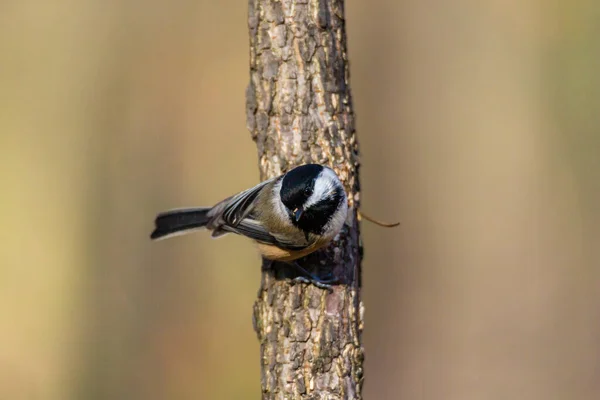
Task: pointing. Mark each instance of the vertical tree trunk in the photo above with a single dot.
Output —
(299, 110)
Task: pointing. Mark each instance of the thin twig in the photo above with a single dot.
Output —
(362, 215)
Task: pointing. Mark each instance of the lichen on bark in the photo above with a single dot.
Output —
(299, 110)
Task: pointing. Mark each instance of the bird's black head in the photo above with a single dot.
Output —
(312, 194)
(298, 185)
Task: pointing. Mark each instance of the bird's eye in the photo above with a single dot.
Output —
(307, 191)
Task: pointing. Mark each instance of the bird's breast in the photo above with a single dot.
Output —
(272, 252)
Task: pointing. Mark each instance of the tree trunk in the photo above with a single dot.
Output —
(299, 110)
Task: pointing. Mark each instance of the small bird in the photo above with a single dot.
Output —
(289, 216)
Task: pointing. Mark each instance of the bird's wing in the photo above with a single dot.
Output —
(253, 229)
(238, 207)
(234, 215)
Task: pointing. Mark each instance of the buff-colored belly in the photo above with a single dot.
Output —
(275, 253)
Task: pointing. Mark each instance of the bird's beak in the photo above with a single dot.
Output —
(298, 213)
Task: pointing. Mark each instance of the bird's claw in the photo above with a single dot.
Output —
(317, 283)
(310, 278)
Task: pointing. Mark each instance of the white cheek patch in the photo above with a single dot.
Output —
(334, 226)
(325, 185)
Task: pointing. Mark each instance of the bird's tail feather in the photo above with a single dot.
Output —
(179, 222)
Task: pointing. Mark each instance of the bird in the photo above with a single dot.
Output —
(288, 216)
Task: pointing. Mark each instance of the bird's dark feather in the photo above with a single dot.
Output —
(240, 205)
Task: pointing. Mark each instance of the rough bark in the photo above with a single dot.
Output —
(299, 110)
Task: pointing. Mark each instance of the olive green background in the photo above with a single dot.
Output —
(479, 128)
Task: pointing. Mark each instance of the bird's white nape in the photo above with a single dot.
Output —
(278, 205)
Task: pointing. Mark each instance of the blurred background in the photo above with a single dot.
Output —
(479, 128)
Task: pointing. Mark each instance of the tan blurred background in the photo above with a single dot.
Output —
(479, 127)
